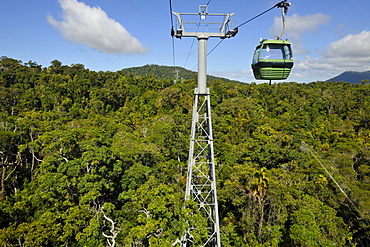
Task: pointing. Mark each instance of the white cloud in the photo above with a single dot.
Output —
(351, 53)
(297, 25)
(351, 46)
(91, 26)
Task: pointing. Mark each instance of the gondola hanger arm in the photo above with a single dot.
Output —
(284, 9)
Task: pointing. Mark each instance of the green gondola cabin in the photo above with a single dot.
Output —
(272, 60)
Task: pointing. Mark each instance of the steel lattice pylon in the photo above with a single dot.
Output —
(201, 178)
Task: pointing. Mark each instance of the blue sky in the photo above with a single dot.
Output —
(328, 37)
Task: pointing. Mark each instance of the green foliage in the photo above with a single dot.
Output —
(95, 158)
(315, 224)
(167, 73)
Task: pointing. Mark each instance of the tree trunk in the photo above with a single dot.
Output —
(2, 191)
(261, 212)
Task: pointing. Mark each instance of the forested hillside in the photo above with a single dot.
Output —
(168, 72)
(99, 158)
(353, 77)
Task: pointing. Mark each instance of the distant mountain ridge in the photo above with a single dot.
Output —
(352, 77)
(168, 72)
(162, 72)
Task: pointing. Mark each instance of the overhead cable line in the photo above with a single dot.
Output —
(211, 51)
(206, 5)
(191, 48)
(282, 4)
(304, 147)
(171, 13)
(264, 12)
(192, 43)
(173, 40)
(215, 46)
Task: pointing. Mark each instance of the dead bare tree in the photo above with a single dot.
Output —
(111, 239)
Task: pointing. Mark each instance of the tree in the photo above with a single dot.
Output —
(315, 224)
(88, 157)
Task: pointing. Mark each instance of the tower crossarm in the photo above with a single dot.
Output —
(204, 27)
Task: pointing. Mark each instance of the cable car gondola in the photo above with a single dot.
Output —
(272, 60)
